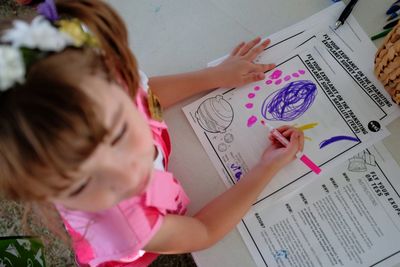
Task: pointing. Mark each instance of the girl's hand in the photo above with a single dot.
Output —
(277, 155)
(238, 69)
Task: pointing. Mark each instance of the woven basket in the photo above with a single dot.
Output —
(387, 64)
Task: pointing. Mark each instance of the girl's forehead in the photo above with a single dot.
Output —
(108, 96)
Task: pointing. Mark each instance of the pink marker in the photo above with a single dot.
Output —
(300, 155)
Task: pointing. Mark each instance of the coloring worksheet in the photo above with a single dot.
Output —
(321, 87)
(301, 91)
(323, 84)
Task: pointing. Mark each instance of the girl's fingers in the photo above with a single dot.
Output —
(262, 67)
(237, 49)
(301, 140)
(293, 146)
(254, 52)
(243, 51)
(253, 77)
(283, 128)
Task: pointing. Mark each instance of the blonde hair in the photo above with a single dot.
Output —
(49, 126)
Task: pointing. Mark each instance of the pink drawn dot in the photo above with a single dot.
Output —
(276, 74)
(251, 95)
(251, 121)
(302, 72)
(268, 82)
(256, 88)
(287, 78)
(278, 81)
(296, 75)
(249, 105)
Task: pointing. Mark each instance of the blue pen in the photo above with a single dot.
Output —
(395, 7)
(391, 24)
(393, 15)
(345, 14)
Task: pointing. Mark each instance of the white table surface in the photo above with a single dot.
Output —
(172, 36)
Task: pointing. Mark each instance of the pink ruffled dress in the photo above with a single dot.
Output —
(116, 237)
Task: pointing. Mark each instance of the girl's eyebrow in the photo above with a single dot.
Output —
(80, 189)
(120, 134)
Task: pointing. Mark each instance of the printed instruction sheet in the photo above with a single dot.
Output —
(348, 217)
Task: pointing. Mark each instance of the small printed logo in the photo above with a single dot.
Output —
(374, 126)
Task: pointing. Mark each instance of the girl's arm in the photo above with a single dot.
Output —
(180, 234)
(238, 69)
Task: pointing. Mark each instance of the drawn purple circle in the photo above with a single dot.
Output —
(249, 105)
(296, 75)
(278, 81)
(268, 82)
(287, 78)
(251, 95)
(256, 88)
(289, 102)
(302, 72)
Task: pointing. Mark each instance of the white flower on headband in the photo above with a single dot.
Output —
(12, 67)
(40, 34)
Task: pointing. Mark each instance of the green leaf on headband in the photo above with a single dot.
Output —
(30, 56)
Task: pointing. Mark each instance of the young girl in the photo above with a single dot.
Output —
(78, 130)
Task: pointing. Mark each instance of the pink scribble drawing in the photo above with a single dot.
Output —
(277, 78)
(276, 74)
(251, 121)
(251, 95)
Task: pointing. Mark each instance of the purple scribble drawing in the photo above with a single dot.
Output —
(238, 171)
(290, 102)
(336, 139)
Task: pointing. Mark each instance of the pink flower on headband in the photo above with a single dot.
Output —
(48, 10)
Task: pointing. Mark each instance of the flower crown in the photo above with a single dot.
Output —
(24, 44)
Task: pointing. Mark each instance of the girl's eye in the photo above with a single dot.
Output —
(80, 189)
(120, 134)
